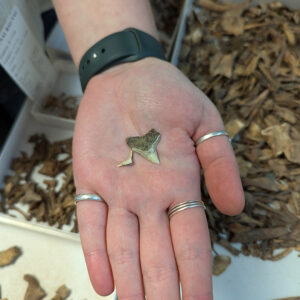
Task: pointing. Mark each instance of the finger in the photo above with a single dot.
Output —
(123, 249)
(192, 248)
(157, 259)
(92, 217)
(221, 171)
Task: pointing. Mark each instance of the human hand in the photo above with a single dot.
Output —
(129, 240)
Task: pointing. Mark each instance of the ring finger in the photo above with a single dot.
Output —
(157, 258)
(192, 248)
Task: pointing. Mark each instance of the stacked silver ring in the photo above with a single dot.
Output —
(80, 197)
(185, 205)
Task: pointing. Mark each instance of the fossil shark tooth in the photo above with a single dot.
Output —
(144, 145)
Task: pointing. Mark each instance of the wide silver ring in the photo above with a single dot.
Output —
(212, 134)
(81, 197)
(185, 205)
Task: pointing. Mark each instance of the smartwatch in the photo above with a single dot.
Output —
(120, 47)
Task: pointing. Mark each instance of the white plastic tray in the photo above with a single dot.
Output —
(53, 255)
(54, 259)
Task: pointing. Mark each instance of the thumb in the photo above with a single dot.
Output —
(218, 161)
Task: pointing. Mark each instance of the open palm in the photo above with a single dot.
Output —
(129, 240)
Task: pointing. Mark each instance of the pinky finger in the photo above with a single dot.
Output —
(92, 218)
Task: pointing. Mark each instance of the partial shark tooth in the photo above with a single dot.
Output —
(128, 161)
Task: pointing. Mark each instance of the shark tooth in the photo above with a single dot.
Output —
(144, 145)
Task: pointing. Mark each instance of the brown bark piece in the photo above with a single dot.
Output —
(34, 291)
(220, 264)
(9, 256)
(232, 22)
(62, 293)
(260, 234)
(63, 106)
(213, 6)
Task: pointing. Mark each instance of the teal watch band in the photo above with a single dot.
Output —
(120, 47)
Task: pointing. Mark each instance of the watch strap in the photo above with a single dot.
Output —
(120, 47)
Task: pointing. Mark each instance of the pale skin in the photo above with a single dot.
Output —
(128, 241)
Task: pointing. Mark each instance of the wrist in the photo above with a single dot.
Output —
(87, 22)
(125, 70)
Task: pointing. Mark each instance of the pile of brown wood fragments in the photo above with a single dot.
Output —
(247, 60)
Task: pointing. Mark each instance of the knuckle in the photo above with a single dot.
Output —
(192, 254)
(158, 274)
(99, 251)
(220, 159)
(86, 228)
(122, 256)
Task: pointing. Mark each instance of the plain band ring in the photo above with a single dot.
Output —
(212, 134)
(81, 197)
(185, 205)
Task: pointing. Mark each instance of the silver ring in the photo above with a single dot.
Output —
(185, 205)
(212, 134)
(81, 197)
